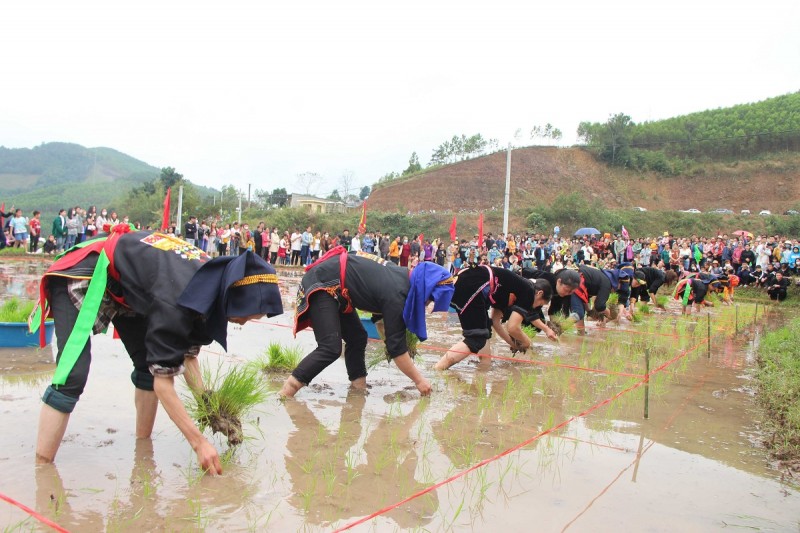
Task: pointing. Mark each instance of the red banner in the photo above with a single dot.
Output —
(165, 216)
(362, 224)
(453, 229)
(480, 231)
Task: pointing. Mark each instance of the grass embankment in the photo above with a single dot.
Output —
(779, 392)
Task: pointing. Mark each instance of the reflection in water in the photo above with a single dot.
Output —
(324, 463)
(333, 478)
(53, 501)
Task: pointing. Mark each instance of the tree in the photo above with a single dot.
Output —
(169, 177)
(278, 197)
(413, 165)
(334, 195)
(347, 183)
(547, 132)
(365, 190)
(309, 182)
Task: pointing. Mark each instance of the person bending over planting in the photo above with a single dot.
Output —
(485, 296)
(692, 291)
(594, 283)
(646, 282)
(338, 284)
(563, 283)
(165, 298)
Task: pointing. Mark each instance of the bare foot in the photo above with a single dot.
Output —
(359, 383)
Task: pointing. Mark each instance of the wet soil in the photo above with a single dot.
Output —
(566, 447)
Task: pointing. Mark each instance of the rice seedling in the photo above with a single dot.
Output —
(375, 359)
(644, 308)
(661, 301)
(530, 331)
(561, 324)
(279, 358)
(14, 310)
(228, 399)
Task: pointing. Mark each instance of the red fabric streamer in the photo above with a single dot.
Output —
(362, 224)
(480, 231)
(165, 216)
(453, 229)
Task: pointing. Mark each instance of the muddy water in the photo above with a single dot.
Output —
(334, 455)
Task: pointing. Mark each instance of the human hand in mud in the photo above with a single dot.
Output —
(208, 457)
(424, 387)
(517, 348)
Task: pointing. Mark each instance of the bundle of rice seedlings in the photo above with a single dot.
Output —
(637, 316)
(561, 324)
(15, 310)
(411, 341)
(228, 398)
(279, 358)
(530, 331)
(662, 301)
(613, 299)
(643, 308)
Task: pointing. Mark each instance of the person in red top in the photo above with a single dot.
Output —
(35, 225)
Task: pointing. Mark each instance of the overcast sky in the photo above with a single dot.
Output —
(257, 92)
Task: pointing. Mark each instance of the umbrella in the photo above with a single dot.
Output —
(588, 231)
(743, 233)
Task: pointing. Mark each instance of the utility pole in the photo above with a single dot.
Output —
(240, 209)
(248, 194)
(178, 227)
(508, 190)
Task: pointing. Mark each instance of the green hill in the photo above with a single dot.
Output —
(54, 175)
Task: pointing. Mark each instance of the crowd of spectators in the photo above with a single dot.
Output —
(765, 261)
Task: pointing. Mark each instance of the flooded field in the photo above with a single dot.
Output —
(552, 440)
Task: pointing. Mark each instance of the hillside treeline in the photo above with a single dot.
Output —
(671, 146)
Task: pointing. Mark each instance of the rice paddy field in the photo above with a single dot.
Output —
(645, 425)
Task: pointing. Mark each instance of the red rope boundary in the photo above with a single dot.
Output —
(33, 513)
(522, 444)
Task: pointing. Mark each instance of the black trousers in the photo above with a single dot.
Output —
(131, 330)
(331, 327)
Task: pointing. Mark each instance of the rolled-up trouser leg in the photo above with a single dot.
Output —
(64, 397)
(323, 310)
(576, 306)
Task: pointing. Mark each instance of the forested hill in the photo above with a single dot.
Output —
(742, 157)
(673, 145)
(55, 175)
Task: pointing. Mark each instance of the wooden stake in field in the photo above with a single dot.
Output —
(709, 335)
(755, 316)
(736, 308)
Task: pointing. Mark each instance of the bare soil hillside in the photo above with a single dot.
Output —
(539, 174)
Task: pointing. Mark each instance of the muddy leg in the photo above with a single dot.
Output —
(454, 355)
(146, 408)
(52, 426)
(291, 386)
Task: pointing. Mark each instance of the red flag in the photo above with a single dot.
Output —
(165, 216)
(362, 224)
(453, 229)
(421, 238)
(480, 231)
(2, 220)
(625, 234)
